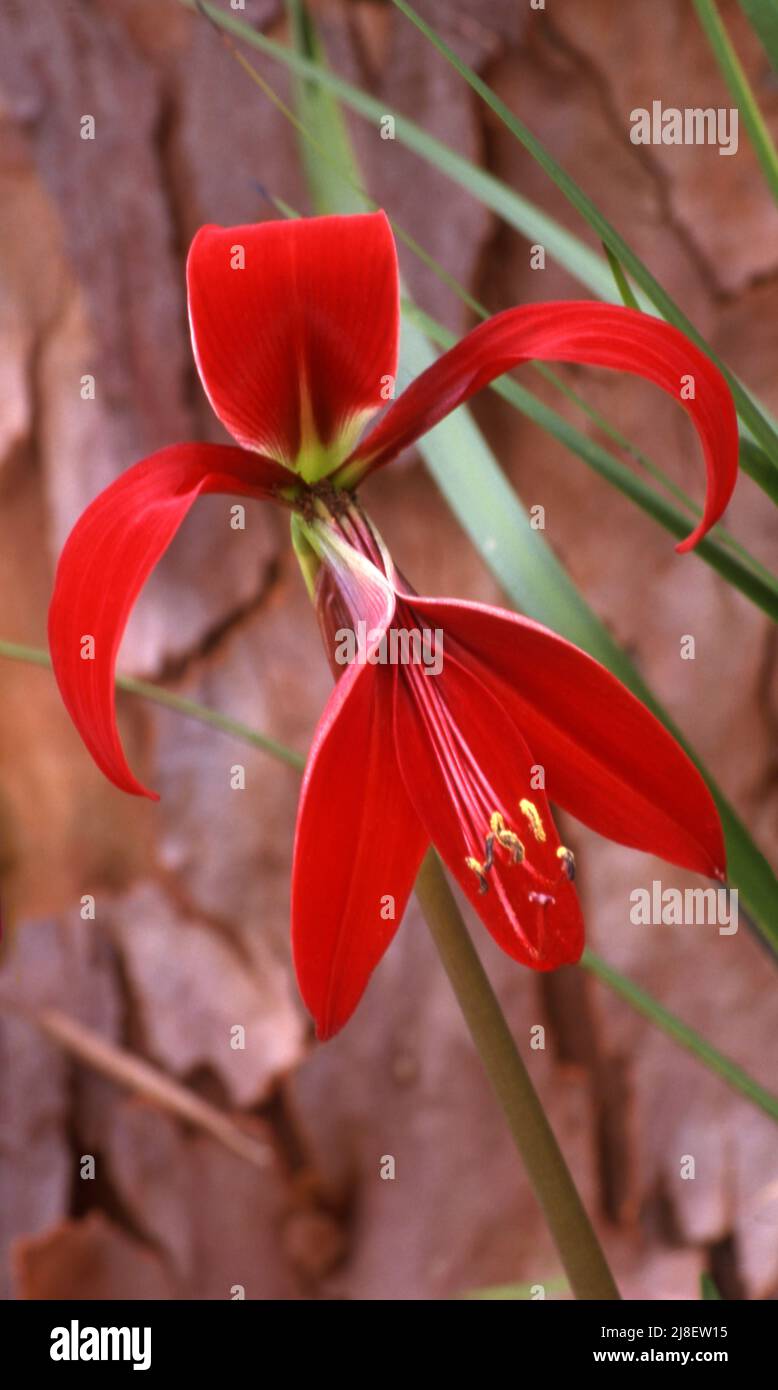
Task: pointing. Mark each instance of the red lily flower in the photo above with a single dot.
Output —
(295, 331)
(464, 755)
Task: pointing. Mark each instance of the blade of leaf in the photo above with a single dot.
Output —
(748, 410)
(738, 1079)
(763, 17)
(318, 110)
(761, 592)
(759, 467)
(510, 1293)
(16, 651)
(489, 512)
(708, 1291)
(326, 175)
(739, 86)
(733, 1075)
(622, 283)
(582, 263)
(646, 1005)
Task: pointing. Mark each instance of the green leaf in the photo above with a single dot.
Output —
(330, 187)
(747, 408)
(738, 84)
(492, 516)
(622, 283)
(759, 467)
(586, 265)
(16, 651)
(514, 1293)
(641, 1001)
(334, 183)
(681, 1033)
(763, 17)
(582, 263)
(762, 590)
(498, 556)
(489, 512)
(708, 1291)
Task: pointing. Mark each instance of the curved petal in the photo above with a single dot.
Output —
(601, 335)
(295, 328)
(607, 759)
(358, 849)
(109, 554)
(467, 771)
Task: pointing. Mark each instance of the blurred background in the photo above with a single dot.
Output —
(221, 1169)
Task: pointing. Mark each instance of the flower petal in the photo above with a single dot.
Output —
(109, 554)
(467, 772)
(602, 335)
(607, 759)
(358, 849)
(295, 329)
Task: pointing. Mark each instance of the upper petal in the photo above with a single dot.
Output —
(607, 759)
(602, 335)
(108, 556)
(295, 330)
(358, 848)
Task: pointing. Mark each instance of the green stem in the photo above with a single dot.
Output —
(578, 1246)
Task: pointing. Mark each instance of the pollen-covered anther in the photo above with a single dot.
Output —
(505, 837)
(479, 870)
(568, 861)
(530, 810)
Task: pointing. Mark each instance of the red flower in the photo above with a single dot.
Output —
(457, 735)
(295, 331)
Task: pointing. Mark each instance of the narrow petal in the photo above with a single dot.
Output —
(607, 760)
(601, 335)
(358, 849)
(295, 329)
(109, 554)
(467, 771)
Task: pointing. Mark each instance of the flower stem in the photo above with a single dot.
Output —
(578, 1246)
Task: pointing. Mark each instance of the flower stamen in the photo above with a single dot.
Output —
(480, 871)
(530, 810)
(507, 838)
(568, 862)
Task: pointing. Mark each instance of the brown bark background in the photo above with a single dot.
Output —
(191, 930)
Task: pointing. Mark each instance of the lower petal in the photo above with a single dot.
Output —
(358, 848)
(607, 759)
(467, 771)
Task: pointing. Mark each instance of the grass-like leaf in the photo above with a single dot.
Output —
(749, 412)
(763, 17)
(735, 1077)
(489, 512)
(708, 1291)
(760, 588)
(585, 265)
(739, 86)
(645, 1004)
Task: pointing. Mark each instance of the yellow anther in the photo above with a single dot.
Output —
(507, 838)
(478, 869)
(568, 861)
(530, 810)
